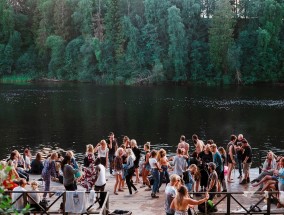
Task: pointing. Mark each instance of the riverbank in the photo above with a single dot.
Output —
(142, 203)
(31, 78)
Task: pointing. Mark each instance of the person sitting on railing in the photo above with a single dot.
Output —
(273, 182)
(20, 203)
(268, 167)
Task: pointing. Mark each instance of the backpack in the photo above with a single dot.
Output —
(210, 207)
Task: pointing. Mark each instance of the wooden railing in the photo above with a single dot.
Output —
(104, 210)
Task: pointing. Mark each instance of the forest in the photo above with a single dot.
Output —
(132, 42)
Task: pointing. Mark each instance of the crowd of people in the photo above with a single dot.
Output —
(202, 170)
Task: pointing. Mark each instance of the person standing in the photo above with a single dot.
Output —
(183, 145)
(199, 144)
(182, 202)
(217, 159)
(247, 160)
(118, 168)
(155, 171)
(205, 158)
(49, 170)
(112, 145)
(146, 167)
(239, 153)
(69, 172)
(100, 181)
(171, 192)
(102, 150)
(179, 163)
(130, 171)
(231, 156)
(212, 180)
(137, 153)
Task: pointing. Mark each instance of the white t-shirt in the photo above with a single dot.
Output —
(102, 152)
(102, 176)
(152, 162)
(19, 204)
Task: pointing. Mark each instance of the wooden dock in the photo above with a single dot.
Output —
(142, 203)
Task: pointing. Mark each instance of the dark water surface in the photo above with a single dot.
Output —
(72, 115)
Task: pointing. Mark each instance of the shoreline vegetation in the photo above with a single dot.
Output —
(26, 78)
(143, 42)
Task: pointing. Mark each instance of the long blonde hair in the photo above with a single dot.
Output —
(130, 153)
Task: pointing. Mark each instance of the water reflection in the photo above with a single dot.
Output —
(73, 115)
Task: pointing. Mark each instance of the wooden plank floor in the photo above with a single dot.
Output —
(142, 203)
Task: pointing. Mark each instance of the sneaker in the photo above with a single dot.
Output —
(136, 191)
(240, 176)
(154, 196)
(143, 185)
(224, 191)
(128, 195)
(254, 181)
(244, 181)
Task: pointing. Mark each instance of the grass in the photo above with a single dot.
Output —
(17, 78)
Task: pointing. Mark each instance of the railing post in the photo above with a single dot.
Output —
(25, 198)
(228, 203)
(259, 157)
(63, 202)
(107, 203)
(268, 203)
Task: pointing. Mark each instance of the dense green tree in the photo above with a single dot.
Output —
(178, 44)
(7, 21)
(55, 66)
(221, 37)
(62, 19)
(144, 41)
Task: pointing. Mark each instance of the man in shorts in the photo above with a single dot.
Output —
(246, 160)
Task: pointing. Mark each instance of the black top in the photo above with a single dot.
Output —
(247, 153)
(206, 158)
(137, 153)
(36, 167)
(114, 145)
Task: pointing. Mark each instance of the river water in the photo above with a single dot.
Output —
(71, 115)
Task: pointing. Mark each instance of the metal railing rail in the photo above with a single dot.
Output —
(229, 196)
(62, 195)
